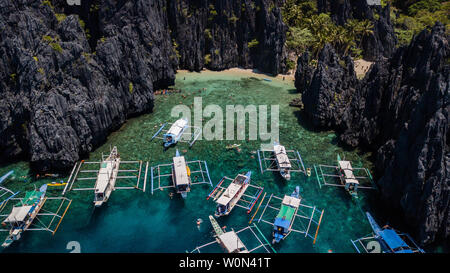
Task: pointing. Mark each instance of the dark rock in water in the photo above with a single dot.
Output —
(401, 111)
(69, 75)
(383, 40)
(219, 34)
(297, 102)
(331, 88)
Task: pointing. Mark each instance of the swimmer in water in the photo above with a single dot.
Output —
(199, 222)
(171, 195)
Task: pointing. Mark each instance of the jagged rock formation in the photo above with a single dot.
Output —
(323, 107)
(383, 40)
(401, 111)
(70, 75)
(59, 97)
(219, 34)
(304, 72)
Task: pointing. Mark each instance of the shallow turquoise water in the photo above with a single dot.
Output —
(133, 221)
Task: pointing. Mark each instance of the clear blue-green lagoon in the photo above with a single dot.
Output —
(134, 221)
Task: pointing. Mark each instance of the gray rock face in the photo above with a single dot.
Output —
(223, 30)
(325, 108)
(380, 44)
(304, 72)
(65, 84)
(401, 111)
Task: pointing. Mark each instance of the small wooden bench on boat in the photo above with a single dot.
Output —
(278, 159)
(231, 242)
(107, 176)
(234, 194)
(181, 172)
(292, 216)
(29, 214)
(348, 177)
(386, 240)
(179, 131)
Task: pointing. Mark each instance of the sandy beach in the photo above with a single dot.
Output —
(248, 72)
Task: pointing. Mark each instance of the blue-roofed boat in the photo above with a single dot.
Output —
(389, 239)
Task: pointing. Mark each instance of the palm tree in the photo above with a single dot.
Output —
(365, 29)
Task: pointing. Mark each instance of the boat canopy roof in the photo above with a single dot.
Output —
(231, 241)
(286, 213)
(280, 222)
(104, 174)
(394, 241)
(229, 193)
(346, 166)
(291, 201)
(281, 156)
(18, 214)
(177, 127)
(179, 166)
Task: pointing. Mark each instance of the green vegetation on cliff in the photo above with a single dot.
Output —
(309, 29)
(411, 17)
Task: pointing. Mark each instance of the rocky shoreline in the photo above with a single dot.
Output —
(400, 110)
(71, 75)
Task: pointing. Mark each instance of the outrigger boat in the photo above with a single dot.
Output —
(27, 211)
(5, 193)
(284, 220)
(107, 176)
(291, 209)
(346, 175)
(390, 240)
(181, 172)
(280, 161)
(177, 130)
(228, 198)
(231, 242)
(4, 177)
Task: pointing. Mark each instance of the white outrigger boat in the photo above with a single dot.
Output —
(346, 175)
(177, 130)
(107, 176)
(181, 172)
(231, 242)
(22, 217)
(228, 198)
(281, 160)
